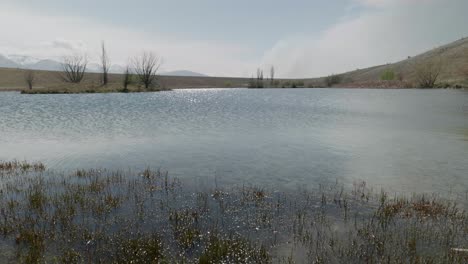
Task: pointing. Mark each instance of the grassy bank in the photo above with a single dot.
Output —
(102, 216)
(83, 88)
(51, 82)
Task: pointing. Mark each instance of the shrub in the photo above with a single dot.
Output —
(388, 75)
(428, 74)
(332, 80)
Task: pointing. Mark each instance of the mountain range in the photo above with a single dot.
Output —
(28, 62)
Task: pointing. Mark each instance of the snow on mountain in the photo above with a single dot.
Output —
(7, 63)
(22, 59)
(184, 73)
(28, 62)
(45, 65)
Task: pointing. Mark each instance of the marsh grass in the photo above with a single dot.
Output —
(101, 216)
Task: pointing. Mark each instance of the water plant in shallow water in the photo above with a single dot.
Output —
(102, 216)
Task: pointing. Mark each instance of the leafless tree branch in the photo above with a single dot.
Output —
(146, 67)
(105, 64)
(272, 74)
(427, 73)
(73, 68)
(127, 80)
(29, 78)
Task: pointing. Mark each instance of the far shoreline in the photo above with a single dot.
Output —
(38, 92)
(47, 82)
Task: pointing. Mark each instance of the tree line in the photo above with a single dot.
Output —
(142, 69)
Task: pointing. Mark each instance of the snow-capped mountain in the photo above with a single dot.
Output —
(45, 65)
(184, 73)
(22, 59)
(28, 62)
(7, 63)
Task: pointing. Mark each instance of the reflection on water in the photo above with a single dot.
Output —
(402, 140)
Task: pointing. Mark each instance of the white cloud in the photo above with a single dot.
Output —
(387, 31)
(71, 45)
(387, 34)
(386, 3)
(53, 37)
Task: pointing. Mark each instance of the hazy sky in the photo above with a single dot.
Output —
(302, 38)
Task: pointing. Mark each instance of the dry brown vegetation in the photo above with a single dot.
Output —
(13, 80)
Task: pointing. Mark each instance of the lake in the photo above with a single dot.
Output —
(401, 140)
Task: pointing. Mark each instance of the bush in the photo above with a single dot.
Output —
(388, 75)
(297, 84)
(255, 83)
(427, 73)
(332, 80)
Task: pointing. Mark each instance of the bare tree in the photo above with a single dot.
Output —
(29, 78)
(427, 73)
(146, 67)
(105, 64)
(259, 74)
(272, 74)
(73, 68)
(259, 78)
(127, 80)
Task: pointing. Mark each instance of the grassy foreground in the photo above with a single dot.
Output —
(101, 216)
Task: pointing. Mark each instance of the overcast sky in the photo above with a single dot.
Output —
(302, 38)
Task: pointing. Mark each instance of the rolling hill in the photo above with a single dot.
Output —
(452, 58)
(184, 73)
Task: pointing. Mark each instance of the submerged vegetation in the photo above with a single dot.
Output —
(102, 216)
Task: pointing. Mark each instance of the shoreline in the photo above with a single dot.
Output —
(48, 82)
(97, 91)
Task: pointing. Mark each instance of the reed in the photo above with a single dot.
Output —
(93, 216)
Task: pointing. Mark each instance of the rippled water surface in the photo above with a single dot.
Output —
(401, 140)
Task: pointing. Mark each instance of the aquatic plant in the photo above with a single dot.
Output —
(105, 216)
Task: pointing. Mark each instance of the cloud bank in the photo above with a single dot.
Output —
(381, 31)
(387, 31)
(53, 37)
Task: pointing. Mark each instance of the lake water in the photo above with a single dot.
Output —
(400, 140)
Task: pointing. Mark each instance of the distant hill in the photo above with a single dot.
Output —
(184, 73)
(7, 63)
(453, 59)
(28, 62)
(22, 59)
(45, 65)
